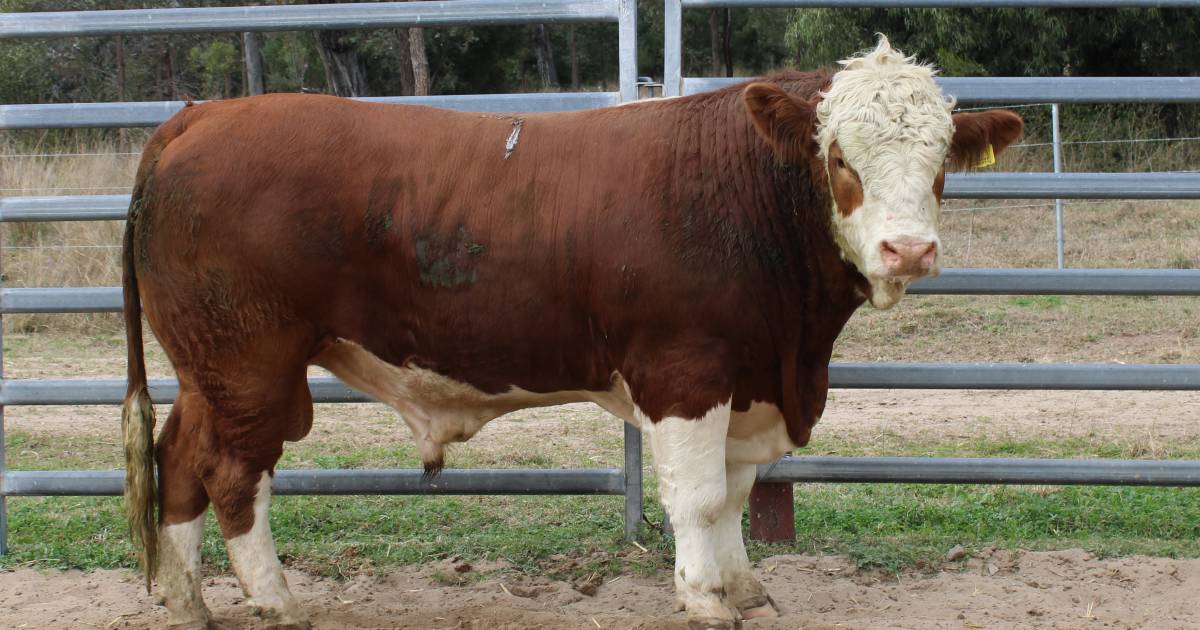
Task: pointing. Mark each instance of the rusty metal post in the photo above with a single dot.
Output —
(772, 512)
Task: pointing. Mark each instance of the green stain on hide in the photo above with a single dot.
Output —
(448, 262)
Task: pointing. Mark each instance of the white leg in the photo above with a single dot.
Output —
(742, 589)
(689, 455)
(257, 566)
(179, 573)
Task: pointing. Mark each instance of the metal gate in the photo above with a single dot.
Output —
(611, 481)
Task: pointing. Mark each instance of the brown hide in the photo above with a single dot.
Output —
(660, 240)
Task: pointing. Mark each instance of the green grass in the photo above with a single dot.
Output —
(894, 527)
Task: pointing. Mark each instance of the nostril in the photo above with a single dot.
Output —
(929, 257)
(892, 259)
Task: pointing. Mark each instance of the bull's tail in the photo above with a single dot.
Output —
(137, 421)
(137, 413)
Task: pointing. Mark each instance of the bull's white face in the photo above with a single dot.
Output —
(884, 129)
(882, 135)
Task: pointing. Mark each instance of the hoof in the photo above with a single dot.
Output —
(712, 623)
(279, 619)
(763, 609)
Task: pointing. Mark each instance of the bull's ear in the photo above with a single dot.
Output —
(786, 123)
(975, 132)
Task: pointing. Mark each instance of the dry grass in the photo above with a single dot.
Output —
(64, 253)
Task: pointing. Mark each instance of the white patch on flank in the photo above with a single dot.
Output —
(440, 410)
(689, 455)
(179, 571)
(257, 566)
(893, 125)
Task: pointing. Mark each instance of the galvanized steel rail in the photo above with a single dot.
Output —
(848, 375)
(533, 481)
(1000, 470)
(153, 113)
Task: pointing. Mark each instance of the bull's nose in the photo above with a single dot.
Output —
(908, 256)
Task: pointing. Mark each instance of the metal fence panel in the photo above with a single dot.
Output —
(294, 17)
(303, 17)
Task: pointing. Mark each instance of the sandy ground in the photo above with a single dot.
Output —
(1063, 589)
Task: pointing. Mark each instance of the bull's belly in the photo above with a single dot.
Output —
(440, 410)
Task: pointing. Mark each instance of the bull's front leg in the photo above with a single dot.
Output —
(689, 456)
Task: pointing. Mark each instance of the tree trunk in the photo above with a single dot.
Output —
(420, 63)
(405, 63)
(714, 39)
(252, 55)
(545, 57)
(345, 74)
(169, 89)
(574, 58)
(727, 42)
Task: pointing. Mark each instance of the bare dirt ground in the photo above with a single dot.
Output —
(1062, 589)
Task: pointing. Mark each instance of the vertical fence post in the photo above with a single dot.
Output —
(627, 49)
(673, 48)
(1058, 203)
(633, 480)
(772, 512)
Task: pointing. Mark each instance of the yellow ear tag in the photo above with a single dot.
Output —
(987, 159)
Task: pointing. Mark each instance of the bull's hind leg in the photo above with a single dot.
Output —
(250, 432)
(181, 521)
(689, 456)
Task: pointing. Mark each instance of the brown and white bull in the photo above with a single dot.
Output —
(686, 264)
